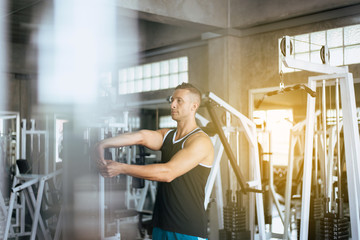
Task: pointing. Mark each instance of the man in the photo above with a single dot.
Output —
(186, 160)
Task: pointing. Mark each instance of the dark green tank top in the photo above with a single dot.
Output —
(179, 205)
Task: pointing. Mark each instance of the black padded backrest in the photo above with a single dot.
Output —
(23, 166)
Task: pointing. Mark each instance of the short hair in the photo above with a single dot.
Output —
(191, 88)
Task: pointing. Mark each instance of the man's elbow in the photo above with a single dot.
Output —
(169, 179)
(168, 175)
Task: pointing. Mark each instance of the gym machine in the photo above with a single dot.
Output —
(122, 200)
(33, 191)
(9, 152)
(332, 226)
(296, 139)
(234, 214)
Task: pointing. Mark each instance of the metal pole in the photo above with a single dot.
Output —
(306, 188)
(290, 168)
(327, 183)
(37, 209)
(337, 100)
(316, 160)
(227, 148)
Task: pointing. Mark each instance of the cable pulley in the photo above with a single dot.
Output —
(283, 47)
(325, 54)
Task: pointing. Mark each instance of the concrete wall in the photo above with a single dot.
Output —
(155, 35)
(22, 80)
(247, 13)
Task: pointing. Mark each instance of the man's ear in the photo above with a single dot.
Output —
(195, 106)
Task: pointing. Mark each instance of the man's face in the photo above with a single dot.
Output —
(182, 104)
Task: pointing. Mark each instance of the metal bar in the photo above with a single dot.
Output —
(47, 157)
(316, 161)
(220, 202)
(33, 201)
(7, 117)
(330, 167)
(306, 189)
(9, 215)
(18, 130)
(2, 204)
(320, 150)
(272, 190)
(140, 205)
(352, 149)
(219, 150)
(102, 206)
(289, 184)
(329, 77)
(312, 67)
(337, 106)
(23, 139)
(327, 161)
(37, 210)
(25, 185)
(22, 212)
(254, 156)
(240, 178)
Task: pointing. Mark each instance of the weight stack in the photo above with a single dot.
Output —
(332, 227)
(318, 208)
(234, 223)
(318, 214)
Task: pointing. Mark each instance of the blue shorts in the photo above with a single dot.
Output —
(159, 234)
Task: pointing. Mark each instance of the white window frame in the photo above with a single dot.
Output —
(153, 76)
(307, 48)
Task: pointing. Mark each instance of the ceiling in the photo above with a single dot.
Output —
(22, 14)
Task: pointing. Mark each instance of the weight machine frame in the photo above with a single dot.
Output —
(351, 136)
(296, 133)
(23, 185)
(8, 115)
(249, 128)
(13, 115)
(38, 133)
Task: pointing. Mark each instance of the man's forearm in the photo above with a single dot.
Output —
(154, 172)
(125, 139)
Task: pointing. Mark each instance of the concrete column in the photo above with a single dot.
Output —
(225, 80)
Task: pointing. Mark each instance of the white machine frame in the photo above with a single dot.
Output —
(32, 132)
(351, 136)
(249, 129)
(25, 182)
(296, 134)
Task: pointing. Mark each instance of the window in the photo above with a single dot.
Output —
(167, 122)
(153, 76)
(134, 122)
(275, 136)
(343, 43)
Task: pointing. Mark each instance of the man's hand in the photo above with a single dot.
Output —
(110, 168)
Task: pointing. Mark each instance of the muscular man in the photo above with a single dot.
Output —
(186, 160)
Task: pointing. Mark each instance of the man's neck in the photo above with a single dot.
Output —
(183, 128)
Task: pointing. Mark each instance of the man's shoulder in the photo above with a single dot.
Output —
(164, 131)
(200, 137)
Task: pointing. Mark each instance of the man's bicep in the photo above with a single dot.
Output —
(152, 139)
